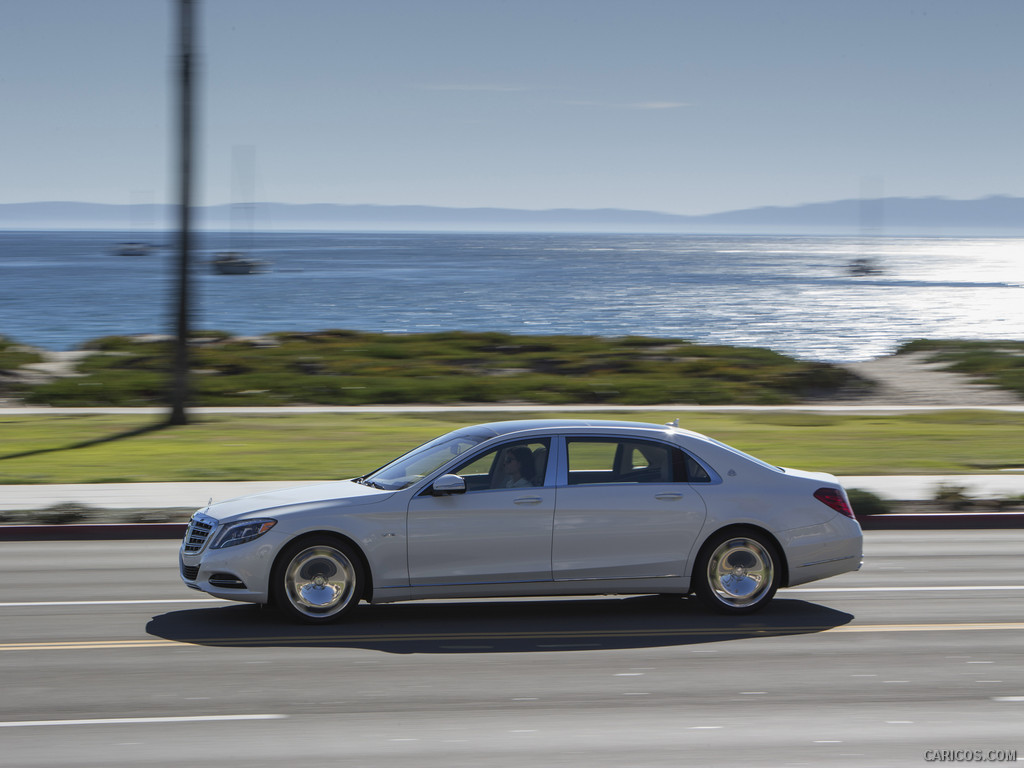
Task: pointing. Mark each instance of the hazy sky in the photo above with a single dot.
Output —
(669, 105)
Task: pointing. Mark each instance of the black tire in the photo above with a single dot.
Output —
(737, 572)
(317, 580)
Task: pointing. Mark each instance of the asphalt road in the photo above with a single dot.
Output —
(107, 660)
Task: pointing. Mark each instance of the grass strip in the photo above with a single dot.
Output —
(136, 448)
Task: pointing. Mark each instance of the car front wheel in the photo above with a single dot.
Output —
(317, 581)
(737, 573)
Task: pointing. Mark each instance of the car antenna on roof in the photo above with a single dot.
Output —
(673, 423)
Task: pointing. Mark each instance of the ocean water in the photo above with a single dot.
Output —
(791, 294)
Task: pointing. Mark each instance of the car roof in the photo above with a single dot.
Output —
(499, 429)
(502, 428)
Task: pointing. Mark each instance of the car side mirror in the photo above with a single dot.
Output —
(446, 485)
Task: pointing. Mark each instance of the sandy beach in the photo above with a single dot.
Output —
(909, 379)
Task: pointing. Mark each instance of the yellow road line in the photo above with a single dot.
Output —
(975, 627)
(77, 645)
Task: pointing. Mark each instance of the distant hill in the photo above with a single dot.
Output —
(999, 215)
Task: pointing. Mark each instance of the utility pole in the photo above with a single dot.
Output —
(179, 394)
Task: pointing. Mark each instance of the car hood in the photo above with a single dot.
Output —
(343, 493)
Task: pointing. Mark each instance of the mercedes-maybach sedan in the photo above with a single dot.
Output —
(517, 508)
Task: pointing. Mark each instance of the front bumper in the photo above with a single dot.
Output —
(238, 573)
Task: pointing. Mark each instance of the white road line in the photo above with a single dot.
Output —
(139, 720)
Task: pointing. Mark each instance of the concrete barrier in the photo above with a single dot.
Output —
(92, 532)
(924, 521)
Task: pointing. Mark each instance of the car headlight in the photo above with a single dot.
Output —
(241, 532)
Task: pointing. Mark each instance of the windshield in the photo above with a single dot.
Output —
(420, 462)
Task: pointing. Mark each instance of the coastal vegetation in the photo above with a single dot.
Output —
(340, 367)
(14, 355)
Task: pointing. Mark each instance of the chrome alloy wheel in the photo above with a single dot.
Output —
(320, 581)
(740, 572)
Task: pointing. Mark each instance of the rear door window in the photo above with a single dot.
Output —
(626, 460)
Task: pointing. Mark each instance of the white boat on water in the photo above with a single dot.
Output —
(133, 249)
(865, 265)
(235, 263)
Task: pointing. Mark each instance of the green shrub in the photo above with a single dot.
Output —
(1010, 502)
(867, 503)
(953, 495)
(13, 355)
(63, 514)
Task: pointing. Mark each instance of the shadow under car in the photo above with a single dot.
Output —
(498, 626)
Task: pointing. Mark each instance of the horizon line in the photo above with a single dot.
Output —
(557, 209)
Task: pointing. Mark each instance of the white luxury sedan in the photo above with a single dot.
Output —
(545, 507)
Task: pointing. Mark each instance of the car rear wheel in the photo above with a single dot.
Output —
(737, 573)
(317, 581)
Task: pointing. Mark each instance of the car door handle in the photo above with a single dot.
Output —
(528, 500)
(668, 496)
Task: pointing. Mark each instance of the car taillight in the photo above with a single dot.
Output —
(835, 499)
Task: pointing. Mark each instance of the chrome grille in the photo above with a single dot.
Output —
(198, 531)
